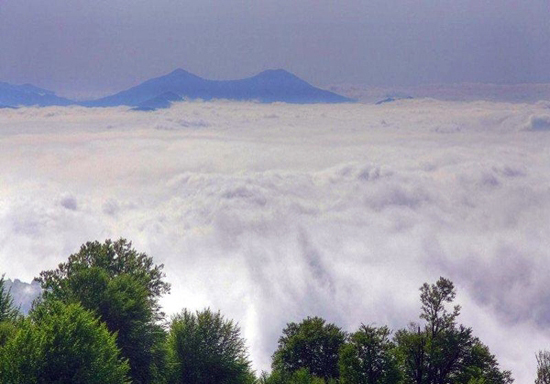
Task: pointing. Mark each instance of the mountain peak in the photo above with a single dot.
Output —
(268, 86)
(28, 94)
(276, 74)
(179, 72)
(33, 88)
(276, 71)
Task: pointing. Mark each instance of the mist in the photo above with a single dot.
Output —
(271, 213)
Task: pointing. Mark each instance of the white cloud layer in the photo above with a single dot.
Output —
(274, 212)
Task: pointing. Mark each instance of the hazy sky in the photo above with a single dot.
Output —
(84, 46)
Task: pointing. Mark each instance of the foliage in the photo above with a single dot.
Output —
(543, 367)
(7, 330)
(301, 376)
(443, 351)
(433, 298)
(8, 311)
(9, 314)
(428, 359)
(122, 287)
(311, 344)
(481, 365)
(205, 348)
(368, 358)
(113, 258)
(62, 344)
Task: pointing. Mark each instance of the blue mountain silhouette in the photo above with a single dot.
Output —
(27, 95)
(268, 86)
(162, 101)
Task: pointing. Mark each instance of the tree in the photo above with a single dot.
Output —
(7, 330)
(9, 314)
(433, 298)
(311, 344)
(434, 355)
(114, 259)
(368, 358)
(481, 366)
(205, 348)
(301, 376)
(8, 311)
(62, 344)
(442, 351)
(122, 287)
(543, 367)
(411, 350)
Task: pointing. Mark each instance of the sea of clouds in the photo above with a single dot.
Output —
(271, 213)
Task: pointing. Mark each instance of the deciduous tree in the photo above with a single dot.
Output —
(62, 344)
(543, 367)
(442, 351)
(368, 358)
(122, 286)
(205, 348)
(8, 311)
(312, 344)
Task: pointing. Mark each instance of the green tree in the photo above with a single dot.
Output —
(9, 314)
(7, 331)
(543, 367)
(442, 351)
(205, 348)
(62, 344)
(433, 359)
(122, 287)
(433, 298)
(481, 366)
(311, 344)
(301, 376)
(114, 259)
(8, 311)
(368, 358)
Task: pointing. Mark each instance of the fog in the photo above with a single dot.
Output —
(271, 213)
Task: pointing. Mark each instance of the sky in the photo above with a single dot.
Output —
(274, 212)
(87, 48)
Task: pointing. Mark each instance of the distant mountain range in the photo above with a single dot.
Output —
(160, 101)
(27, 95)
(267, 87)
(391, 99)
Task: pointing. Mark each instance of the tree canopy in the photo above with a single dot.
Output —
(205, 348)
(62, 344)
(312, 344)
(122, 286)
(113, 259)
(442, 351)
(8, 311)
(543, 367)
(368, 358)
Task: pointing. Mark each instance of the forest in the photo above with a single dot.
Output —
(99, 321)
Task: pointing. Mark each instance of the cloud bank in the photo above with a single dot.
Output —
(274, 212)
